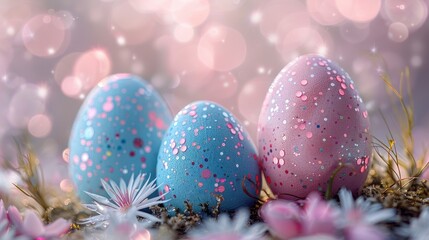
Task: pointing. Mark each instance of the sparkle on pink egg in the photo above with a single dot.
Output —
(341, 92)
(304, 82)
(298, 94)
(275, 160)
(339, 79)
(309, 134)
(304, 97)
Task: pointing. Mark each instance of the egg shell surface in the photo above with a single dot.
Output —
(206, 152)
(312, 123)
(117, 132)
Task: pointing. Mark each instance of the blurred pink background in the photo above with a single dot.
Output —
(53, 52)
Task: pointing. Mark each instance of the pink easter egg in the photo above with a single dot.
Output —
(312, 123)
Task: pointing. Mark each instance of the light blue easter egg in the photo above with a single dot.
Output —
(117, 132)
(207, 153)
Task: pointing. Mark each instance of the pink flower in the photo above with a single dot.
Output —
(283, 218)
(287, 220)
(31, 226)
(319, 216)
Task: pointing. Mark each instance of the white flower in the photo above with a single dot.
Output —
(126, 201)
(224, 228)
(418, 228)
(358, 218)
(120, 228)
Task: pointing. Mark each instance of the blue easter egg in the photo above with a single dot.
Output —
(117, 132)
(206, 153)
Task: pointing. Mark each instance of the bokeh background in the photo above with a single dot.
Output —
(229, 51)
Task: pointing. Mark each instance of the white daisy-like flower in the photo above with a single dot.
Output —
(418, 228)
(371, 213)
(358, 218)
(225, 229)
(126, 201)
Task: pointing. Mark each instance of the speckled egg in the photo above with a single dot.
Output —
(117, 132)
(313, 122)
(207, 153)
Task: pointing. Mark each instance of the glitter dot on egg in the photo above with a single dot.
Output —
(298, 94)
(85, 157)
(108, 106)
(175, 151)
(304, 97)
(281, 161)
(282, 153)
(192, 113)
(341, 92)
(339, 79)
(309, 134)
(89, 133)
(205, 174)
(182, 141)
(304, 82)
(365, 114)
(275, 160)
(343, 85)
(183, 148)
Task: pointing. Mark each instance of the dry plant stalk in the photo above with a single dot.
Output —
(386, 152)
(30, 173)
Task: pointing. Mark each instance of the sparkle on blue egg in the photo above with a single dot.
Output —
(117, 132)
(206, 153)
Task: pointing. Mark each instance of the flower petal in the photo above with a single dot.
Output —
(14, 216)
(148, 217)
(283, 218)
(57, 228)
(32, 225)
